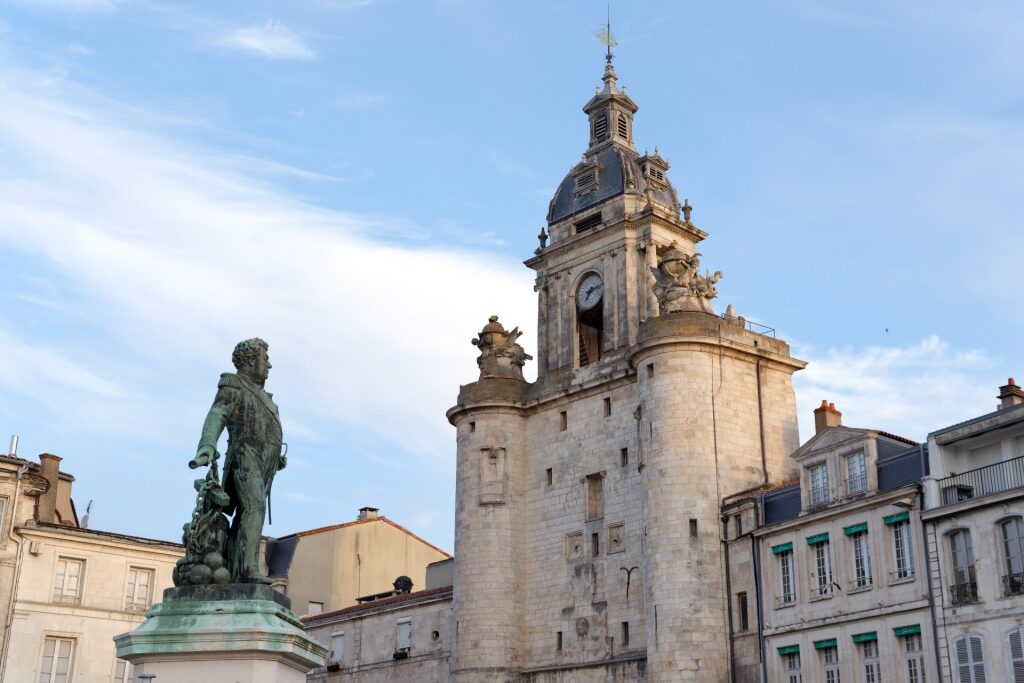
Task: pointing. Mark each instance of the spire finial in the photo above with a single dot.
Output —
(606, 38)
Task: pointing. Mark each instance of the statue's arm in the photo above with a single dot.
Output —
(221, 410)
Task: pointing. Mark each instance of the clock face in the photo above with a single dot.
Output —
(590, 292)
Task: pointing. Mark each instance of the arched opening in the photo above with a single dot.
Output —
(590, 318)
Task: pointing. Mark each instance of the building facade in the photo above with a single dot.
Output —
(68, 590)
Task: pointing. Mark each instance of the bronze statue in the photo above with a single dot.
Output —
(215, 553)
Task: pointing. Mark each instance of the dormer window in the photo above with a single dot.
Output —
(623, 127)
(585, 180)
(856, 474)
(818, 478)
(601, 127)
(655, 172)
(588, 177)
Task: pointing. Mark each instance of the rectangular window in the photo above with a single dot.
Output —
(3, 517)
(124, 672)
(650, 370)
(787, 587)
(913, 658)
(58, 661)
(965, 586)
(624, 457)
(558, 642)
(822, 568)
(1013, 551)
(693, 528)
(741, 609)
(563, 421)
(625, 634)
(595, 496)
(595, 544)
(139, 592)
(869, 658)
(830, 664)
(338, 646)
(472, 426)
(548, 476)
(856, 474)
(67, 583)
(793, 674)
(314, 608)
(607, 407)
(739, 525)
(819, 484)
(903, 550)
(861, 560)
(405, 634)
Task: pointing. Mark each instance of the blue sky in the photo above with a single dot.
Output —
(358, 181)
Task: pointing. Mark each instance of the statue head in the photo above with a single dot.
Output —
(250, 359)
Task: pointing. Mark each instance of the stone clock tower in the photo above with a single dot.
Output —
(587, 532)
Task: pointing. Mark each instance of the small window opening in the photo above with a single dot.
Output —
(741, 606)
(625, 634)
(739, 525)
(650, 370)
(558, 642)
(601, 127)
(472, 426)
(595, 544)
(588, 222)
(693, 528)
(548, 475)
(607, 407)
(623, 127)
(435, 635)
(564, 418)
(624, 457)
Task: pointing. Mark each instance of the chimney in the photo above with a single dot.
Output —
(49, 466)
(369, 513)
(826, 416)
(14, 445)
(1010, 394)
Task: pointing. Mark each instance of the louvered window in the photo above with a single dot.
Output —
(623, 127)
(588, 223)
(1016, 638)
(970, 659)
(601, 127)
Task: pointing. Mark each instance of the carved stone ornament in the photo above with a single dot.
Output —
(500, 355)
(678, 284)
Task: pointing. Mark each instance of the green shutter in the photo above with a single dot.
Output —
(865, 637)
(897, 518)
(825, 644)
(907, 630)
(855, 529)
(789, 650)
(819, 538)
(782, 548)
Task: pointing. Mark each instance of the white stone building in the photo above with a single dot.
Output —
(974, 521)
(66, 590)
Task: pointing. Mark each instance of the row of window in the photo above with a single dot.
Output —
(910, 666)
(58, 662)
(856, 482)
(403, 640)
(69, 581)
(964, 589)
(861, 572)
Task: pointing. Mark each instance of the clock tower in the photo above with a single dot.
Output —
(587, 539)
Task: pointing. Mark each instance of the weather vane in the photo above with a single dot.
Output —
(604, 34)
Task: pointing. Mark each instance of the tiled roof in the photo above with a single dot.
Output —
(369, 606)
(382, 518)
(897, 437)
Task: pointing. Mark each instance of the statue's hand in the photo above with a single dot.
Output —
(204, 456)
(282, 462)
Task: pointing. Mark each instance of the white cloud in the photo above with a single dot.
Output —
(270, 39)
(178, 256)
(909, 390)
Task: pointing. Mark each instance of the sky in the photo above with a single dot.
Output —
(359, 181)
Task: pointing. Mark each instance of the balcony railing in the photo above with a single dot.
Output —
(1013, 584)
(786, 599)
(963, 593)
(984, 481)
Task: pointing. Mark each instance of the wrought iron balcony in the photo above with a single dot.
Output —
(784, 600)
(963, 593)
(1013, 584)
(984, 481)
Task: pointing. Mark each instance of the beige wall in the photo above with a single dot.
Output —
(101, 613)
(336, 565)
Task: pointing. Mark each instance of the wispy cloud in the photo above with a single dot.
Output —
(270, 39)
(910, 390)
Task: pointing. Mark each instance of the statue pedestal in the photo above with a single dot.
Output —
(239, 633)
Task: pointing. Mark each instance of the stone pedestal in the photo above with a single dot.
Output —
(240, 633)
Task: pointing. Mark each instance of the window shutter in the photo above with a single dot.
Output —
(963, 664)
(1017, 654)
(977, 659)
